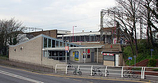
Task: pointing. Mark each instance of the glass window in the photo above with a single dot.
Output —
(15, 50)
(67, 44)
(61, 44)
(64, 44)
(53, 43)
(88, 56)
(57, 43)
(49, 42)
(45, 42)
(108, 58)
(87, 38)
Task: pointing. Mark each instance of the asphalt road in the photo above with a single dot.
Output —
(14, 75)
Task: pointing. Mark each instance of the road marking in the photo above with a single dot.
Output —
(19, 77)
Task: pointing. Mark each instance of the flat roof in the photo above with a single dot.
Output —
(80, 34)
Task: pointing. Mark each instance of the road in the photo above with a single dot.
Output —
(14, 75)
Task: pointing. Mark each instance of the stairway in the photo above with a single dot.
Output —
(142, 63)
(145, 63)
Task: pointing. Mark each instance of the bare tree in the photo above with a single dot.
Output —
(149, 12)
(127, 15)
(9, 29)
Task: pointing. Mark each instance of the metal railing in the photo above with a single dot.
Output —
(120, 71)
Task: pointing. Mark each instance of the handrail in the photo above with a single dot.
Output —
(112, 70)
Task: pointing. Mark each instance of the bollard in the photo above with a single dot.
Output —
(91, 69)
(106, 71)
(66, 69)
(56, 68)
(122, 72)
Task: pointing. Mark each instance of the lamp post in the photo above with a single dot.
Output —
(151, 52)
(73, 33)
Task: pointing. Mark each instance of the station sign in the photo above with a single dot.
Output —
(108, 54)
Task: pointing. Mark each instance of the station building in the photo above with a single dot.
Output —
(48, 48)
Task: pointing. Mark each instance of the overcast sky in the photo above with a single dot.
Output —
(56, 14)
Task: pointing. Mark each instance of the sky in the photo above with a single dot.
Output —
(56, 14)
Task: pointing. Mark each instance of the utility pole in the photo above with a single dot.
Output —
(101, 25)
(73, 33)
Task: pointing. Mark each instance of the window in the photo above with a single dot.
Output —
(49, 42)
(108, 58)
(67, 44)
(88, 55)
(45, 42)
(57, 43)
(15, 50)
(61, 44)
(53, 43)
(21, 48)
(64, 44)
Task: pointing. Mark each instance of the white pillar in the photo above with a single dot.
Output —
(97, 55)
(116, 59)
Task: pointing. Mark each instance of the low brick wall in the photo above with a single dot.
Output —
(31, 67)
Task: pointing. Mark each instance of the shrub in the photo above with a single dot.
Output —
(152, 62)
(155, 69)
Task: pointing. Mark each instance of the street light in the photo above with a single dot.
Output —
(73, 33)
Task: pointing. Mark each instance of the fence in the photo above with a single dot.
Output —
(111, 71)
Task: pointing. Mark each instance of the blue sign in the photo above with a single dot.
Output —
(152, 49)
(129, 58)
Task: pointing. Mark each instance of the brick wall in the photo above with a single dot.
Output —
(30, 51)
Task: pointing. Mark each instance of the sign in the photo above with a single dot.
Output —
(114, 40)
(129, 58)
(67, 48)
(108, 54)
(152, 49)
(88, 50)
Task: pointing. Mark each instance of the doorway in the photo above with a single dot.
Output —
(92, 56)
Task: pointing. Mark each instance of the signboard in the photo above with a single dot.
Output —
(88, 50)
(66, 48)
(108, 54)
(152, 49)
(129, 58)
(76, 55)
